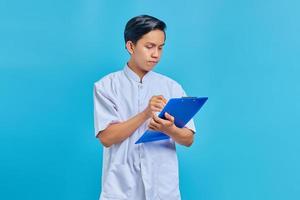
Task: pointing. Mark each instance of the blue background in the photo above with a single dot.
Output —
(243, 55)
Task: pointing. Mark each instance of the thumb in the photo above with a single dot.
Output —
(169, 117)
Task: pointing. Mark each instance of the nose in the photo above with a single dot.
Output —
(155, 53)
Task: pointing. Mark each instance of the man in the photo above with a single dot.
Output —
(125, 106)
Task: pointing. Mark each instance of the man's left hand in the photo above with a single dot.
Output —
(162, 125)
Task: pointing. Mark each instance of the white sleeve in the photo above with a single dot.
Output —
(105, 110)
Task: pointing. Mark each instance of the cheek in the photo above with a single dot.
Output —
(147, 52)
(140, 60)
(142, 54)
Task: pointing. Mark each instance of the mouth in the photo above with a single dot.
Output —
(153, 62)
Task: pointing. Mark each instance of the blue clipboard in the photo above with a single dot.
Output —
(182, 109)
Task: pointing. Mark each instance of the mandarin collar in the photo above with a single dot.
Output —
(132, 75)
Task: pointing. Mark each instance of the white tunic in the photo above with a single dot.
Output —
(136, 171)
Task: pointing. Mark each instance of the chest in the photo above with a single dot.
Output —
(133, 98)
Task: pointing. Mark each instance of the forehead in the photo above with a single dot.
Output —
(155, 36)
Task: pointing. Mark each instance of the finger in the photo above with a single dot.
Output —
(163, 101)
(151, 128)
(157, 120)
(153, 113)
(155, 97)
(159, 97)
(155, 109)
(153, 122)
(169, 117)
(153, 125)
(156, 106)
(158, 100)
(158, 103)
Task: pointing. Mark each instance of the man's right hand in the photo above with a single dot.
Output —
(156, 104)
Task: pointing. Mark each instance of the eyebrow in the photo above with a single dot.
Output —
(154, 44)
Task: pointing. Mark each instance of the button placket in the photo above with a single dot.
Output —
(139, 110)
(140, 104)
(140, 91)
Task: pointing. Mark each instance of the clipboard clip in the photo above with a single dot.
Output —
(192, 98)
(189, 97)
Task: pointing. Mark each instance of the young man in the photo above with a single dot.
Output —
(125, 106)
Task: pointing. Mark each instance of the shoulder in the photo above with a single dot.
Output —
(173, 87)
(108, 80)
(163, 79)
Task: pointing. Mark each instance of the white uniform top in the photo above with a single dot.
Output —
(136, 171)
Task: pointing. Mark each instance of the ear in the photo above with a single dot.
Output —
(130, 47)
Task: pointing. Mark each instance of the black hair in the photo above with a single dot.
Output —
(141, 25)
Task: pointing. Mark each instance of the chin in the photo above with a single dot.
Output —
(149, 67)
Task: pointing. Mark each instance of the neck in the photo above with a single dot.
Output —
(141, 73)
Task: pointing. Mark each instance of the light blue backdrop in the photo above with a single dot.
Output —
(243, 55)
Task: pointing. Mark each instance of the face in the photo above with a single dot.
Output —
(146, 53)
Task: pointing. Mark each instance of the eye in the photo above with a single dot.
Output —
(149, 46)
